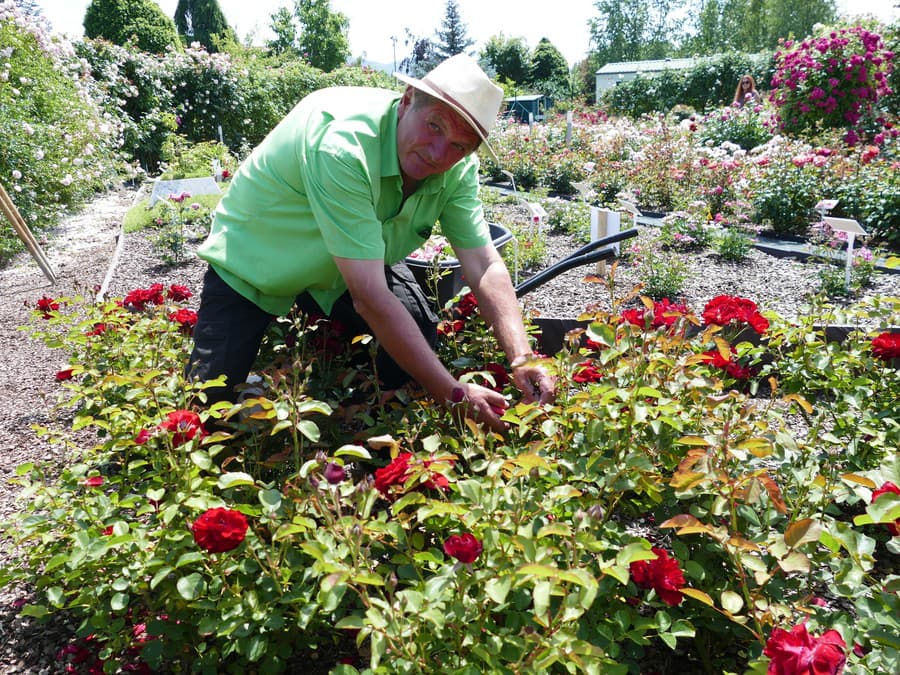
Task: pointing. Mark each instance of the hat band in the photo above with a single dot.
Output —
(459, 105)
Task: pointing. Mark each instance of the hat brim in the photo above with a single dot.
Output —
(431, 91)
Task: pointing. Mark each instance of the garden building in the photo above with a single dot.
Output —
(521, 106)
(613, 73)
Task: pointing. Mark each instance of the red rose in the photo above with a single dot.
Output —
(178, 293)
(47, 305)
(139, 298)
(184, 424)
(402, 469)
(665, 314)
(730, 366)
(501, 377)
(142, 437)
(465, 548)
(94, 481)
(226, 173)
(798, 653)
(662, 575)
(886, 346)
(728, 309)
(466, 306)
(98, 329)
(448, 328)
(63, 375)
(219, 530)
(186, 319)
(888, 486)
(586, 372)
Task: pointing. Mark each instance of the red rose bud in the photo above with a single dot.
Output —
(219, 530)
(334, 473)
(94, 481)
(798, 653)
(465, 548)
(63, 375)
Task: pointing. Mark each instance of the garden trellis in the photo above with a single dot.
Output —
(15, 218)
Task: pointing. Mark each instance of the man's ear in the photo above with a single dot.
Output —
(405, 100)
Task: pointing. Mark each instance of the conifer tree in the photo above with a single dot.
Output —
(200, 20)
(452, 38)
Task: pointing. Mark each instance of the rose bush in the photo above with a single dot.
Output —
(346, 523)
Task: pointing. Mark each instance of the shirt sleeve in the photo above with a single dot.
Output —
(339, 190)
(462, 218)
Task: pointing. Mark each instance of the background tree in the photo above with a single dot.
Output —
(549, 71)
(452, 37)
(508, 57)
(796, 19)
(323, 39)
(422, 56)
(123, 21)
(285, 31)
(203, 21)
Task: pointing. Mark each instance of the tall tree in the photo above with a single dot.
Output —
(509, 57)
(452, 38)
(549, 70)
(633, 30)
(124, 21)
(323, 39)
(202, 21)
(796, 19)
(285, 31)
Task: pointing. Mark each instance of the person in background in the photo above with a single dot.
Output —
(322, 214)
(746, 92)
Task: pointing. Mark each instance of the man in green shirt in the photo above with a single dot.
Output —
(325, 209)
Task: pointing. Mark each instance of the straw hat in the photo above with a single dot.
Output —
(461, 84)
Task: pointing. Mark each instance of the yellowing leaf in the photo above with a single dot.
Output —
(694, 440)
(794, 562)
(698, 595)
(859, 480)
(799, 400)
(731, 602)
(801, 532)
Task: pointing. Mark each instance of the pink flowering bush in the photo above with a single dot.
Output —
(833, 80)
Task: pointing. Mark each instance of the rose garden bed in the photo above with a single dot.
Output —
(386, 532)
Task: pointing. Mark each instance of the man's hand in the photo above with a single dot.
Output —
(535, 383)
(481, 404)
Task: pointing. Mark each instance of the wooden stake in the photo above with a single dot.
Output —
(15, 218)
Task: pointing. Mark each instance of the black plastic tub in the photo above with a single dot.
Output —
(445, 276)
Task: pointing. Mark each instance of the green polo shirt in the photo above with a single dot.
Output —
(326, 182)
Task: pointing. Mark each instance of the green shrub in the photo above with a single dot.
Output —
(733, 245)
(138, 22)
(56, 147)
(745, 127)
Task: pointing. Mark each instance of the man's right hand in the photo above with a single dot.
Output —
(481, 404)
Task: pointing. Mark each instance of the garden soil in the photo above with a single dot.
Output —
(89, 254)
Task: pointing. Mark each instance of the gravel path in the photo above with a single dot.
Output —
(84, 253)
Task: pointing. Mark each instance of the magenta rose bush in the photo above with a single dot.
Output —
(662, 503)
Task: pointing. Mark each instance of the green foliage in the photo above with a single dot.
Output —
(663, 450)
(686, 230)
(202, 21)
(733, 244)
(709, 83)
(142, 216)
(285, 40)
(509, 58)
(745, 127)
(662, 274)
(323, 40)
(138, 22)
(192, 160)
(56, 147)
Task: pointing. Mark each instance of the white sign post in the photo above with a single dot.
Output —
(852, 228)
(603, 224)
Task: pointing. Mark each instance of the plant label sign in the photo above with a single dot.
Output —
(193, 186)
(847, 225)
(825, 205)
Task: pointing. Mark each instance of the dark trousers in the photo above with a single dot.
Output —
(230, 329)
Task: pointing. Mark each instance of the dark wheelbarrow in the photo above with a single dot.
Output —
(553, 330)
(450, 281)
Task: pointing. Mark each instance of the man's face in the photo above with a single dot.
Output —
(431, 138)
